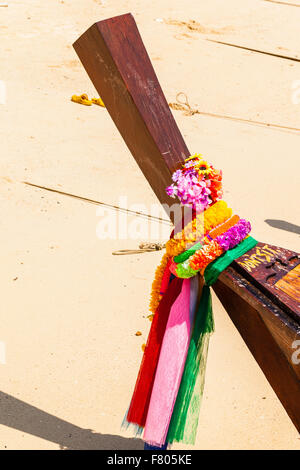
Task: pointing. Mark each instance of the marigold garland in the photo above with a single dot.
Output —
(206, 255)
(214, 216)
(223, 242)
(222, 227)
(156, 295)
(181, 268)
(207, 227)
(198, 227)
(173, 365)
(226, 237)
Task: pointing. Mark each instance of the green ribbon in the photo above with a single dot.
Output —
(214, 269)
(183, 268)
(184, 421)
(185, 416)
(186, 254)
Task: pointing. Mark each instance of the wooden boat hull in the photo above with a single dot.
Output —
(268, 332)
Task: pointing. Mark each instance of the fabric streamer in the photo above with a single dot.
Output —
(184, 422)
(169, 369)
(186, 254)
(138, 408)
(215, 268)
(194, 297)
(165, 279)
(169, 388)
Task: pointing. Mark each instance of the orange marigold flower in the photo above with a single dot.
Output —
(223, 227)
(206, 255)
(156, 296)
(198, 227)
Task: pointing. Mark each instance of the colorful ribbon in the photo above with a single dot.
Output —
(169, 387)
(169, 369)
(138, 409)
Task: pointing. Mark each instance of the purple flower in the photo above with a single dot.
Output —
(234, 235)
(190, 164)
(171, 191)
(176, 175)
(191, 190)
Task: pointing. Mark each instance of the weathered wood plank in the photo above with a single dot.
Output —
(115, 58)
(270, 342)
(275, 271)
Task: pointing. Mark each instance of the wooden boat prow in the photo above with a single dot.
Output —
(260, 290)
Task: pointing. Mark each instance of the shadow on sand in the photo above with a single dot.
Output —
(283, 225)
(19, 415)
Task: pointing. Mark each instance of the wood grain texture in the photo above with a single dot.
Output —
(290, 284)
(113, 53)
(270, 342)
(274, 271)
(115, 58)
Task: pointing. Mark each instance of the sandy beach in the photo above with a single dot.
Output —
(69, 308)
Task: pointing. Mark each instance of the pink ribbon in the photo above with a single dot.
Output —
(171, 364)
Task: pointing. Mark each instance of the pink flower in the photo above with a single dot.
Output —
(194, 187)
(171, 191)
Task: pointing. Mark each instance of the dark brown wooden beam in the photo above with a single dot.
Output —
(115, 58)
(276, 272)
(269, 334)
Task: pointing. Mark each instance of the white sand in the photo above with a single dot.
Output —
(68, 320)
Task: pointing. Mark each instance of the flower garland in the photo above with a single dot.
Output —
(180, 265)
(222, 227)
(197, 184)
(167, 395)
(215, 215)
(203, 255)
(156, 295)
(212, 250)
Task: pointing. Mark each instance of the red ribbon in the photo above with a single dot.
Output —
(139, 405)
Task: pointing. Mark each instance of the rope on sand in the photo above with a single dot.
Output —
(143, 248)
(93, 201)
(189, 111)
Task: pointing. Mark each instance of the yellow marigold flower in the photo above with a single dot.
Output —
(196, 229)
(156, 284)
(192, 157)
